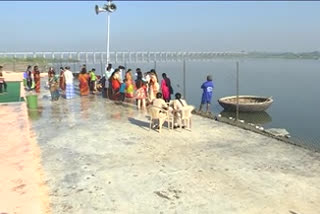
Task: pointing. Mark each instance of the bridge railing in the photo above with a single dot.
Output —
(122, 56)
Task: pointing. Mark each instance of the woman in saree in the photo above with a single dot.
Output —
(36, 77)
(83, 82)
(129, 84)
(62, 83)
(53, 86)
(166, 88)
(115, 84)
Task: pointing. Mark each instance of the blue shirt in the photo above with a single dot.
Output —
(122, 88)
(25, 75)
(207, 88)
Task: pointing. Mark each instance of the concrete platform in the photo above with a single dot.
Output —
(101, 158)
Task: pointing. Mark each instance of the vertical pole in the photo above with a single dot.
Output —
(155, 65)
(101, 67)
(14, 64)
(237, 85)
(108, 39)
(94, 57)
(184, 79)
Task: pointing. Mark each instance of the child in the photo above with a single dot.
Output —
(207, 88)
(141, 92)
(122, 90)
(93, 79)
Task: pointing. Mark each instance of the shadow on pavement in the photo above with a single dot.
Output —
(140, 123)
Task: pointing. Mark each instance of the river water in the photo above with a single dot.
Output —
(293, 84)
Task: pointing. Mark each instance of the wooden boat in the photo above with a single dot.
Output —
(247, 103)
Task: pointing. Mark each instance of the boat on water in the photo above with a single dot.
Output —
(247, 103)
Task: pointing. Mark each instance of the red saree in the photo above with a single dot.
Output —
(115, 83)
(83, 84)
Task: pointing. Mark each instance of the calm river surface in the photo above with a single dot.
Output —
(293, 84)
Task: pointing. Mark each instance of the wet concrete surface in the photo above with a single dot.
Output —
(99, 157)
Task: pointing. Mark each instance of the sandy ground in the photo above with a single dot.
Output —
(22, 188)
(100, 158)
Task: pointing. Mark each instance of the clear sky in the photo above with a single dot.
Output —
(162, 25)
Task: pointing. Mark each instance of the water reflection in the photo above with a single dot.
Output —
(84, 107)
(55, 111)
(259, 118)
(116, 115)
(34, 114)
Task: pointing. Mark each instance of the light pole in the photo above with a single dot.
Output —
(109, 8)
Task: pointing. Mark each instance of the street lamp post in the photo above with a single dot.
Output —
(109, 8)
(108, 38)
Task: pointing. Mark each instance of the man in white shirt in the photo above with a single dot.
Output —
(108, 72)
(68, 77)
(121, 72)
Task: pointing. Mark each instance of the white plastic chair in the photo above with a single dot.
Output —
(155, 114)
(186, 114)
(170, 118)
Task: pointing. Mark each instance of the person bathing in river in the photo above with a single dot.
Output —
(207, 88)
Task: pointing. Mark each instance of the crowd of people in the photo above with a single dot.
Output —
(119, 84)
(116, 84)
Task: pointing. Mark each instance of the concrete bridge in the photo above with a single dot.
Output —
(122, 56)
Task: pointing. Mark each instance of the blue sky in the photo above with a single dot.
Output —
(162, 25)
